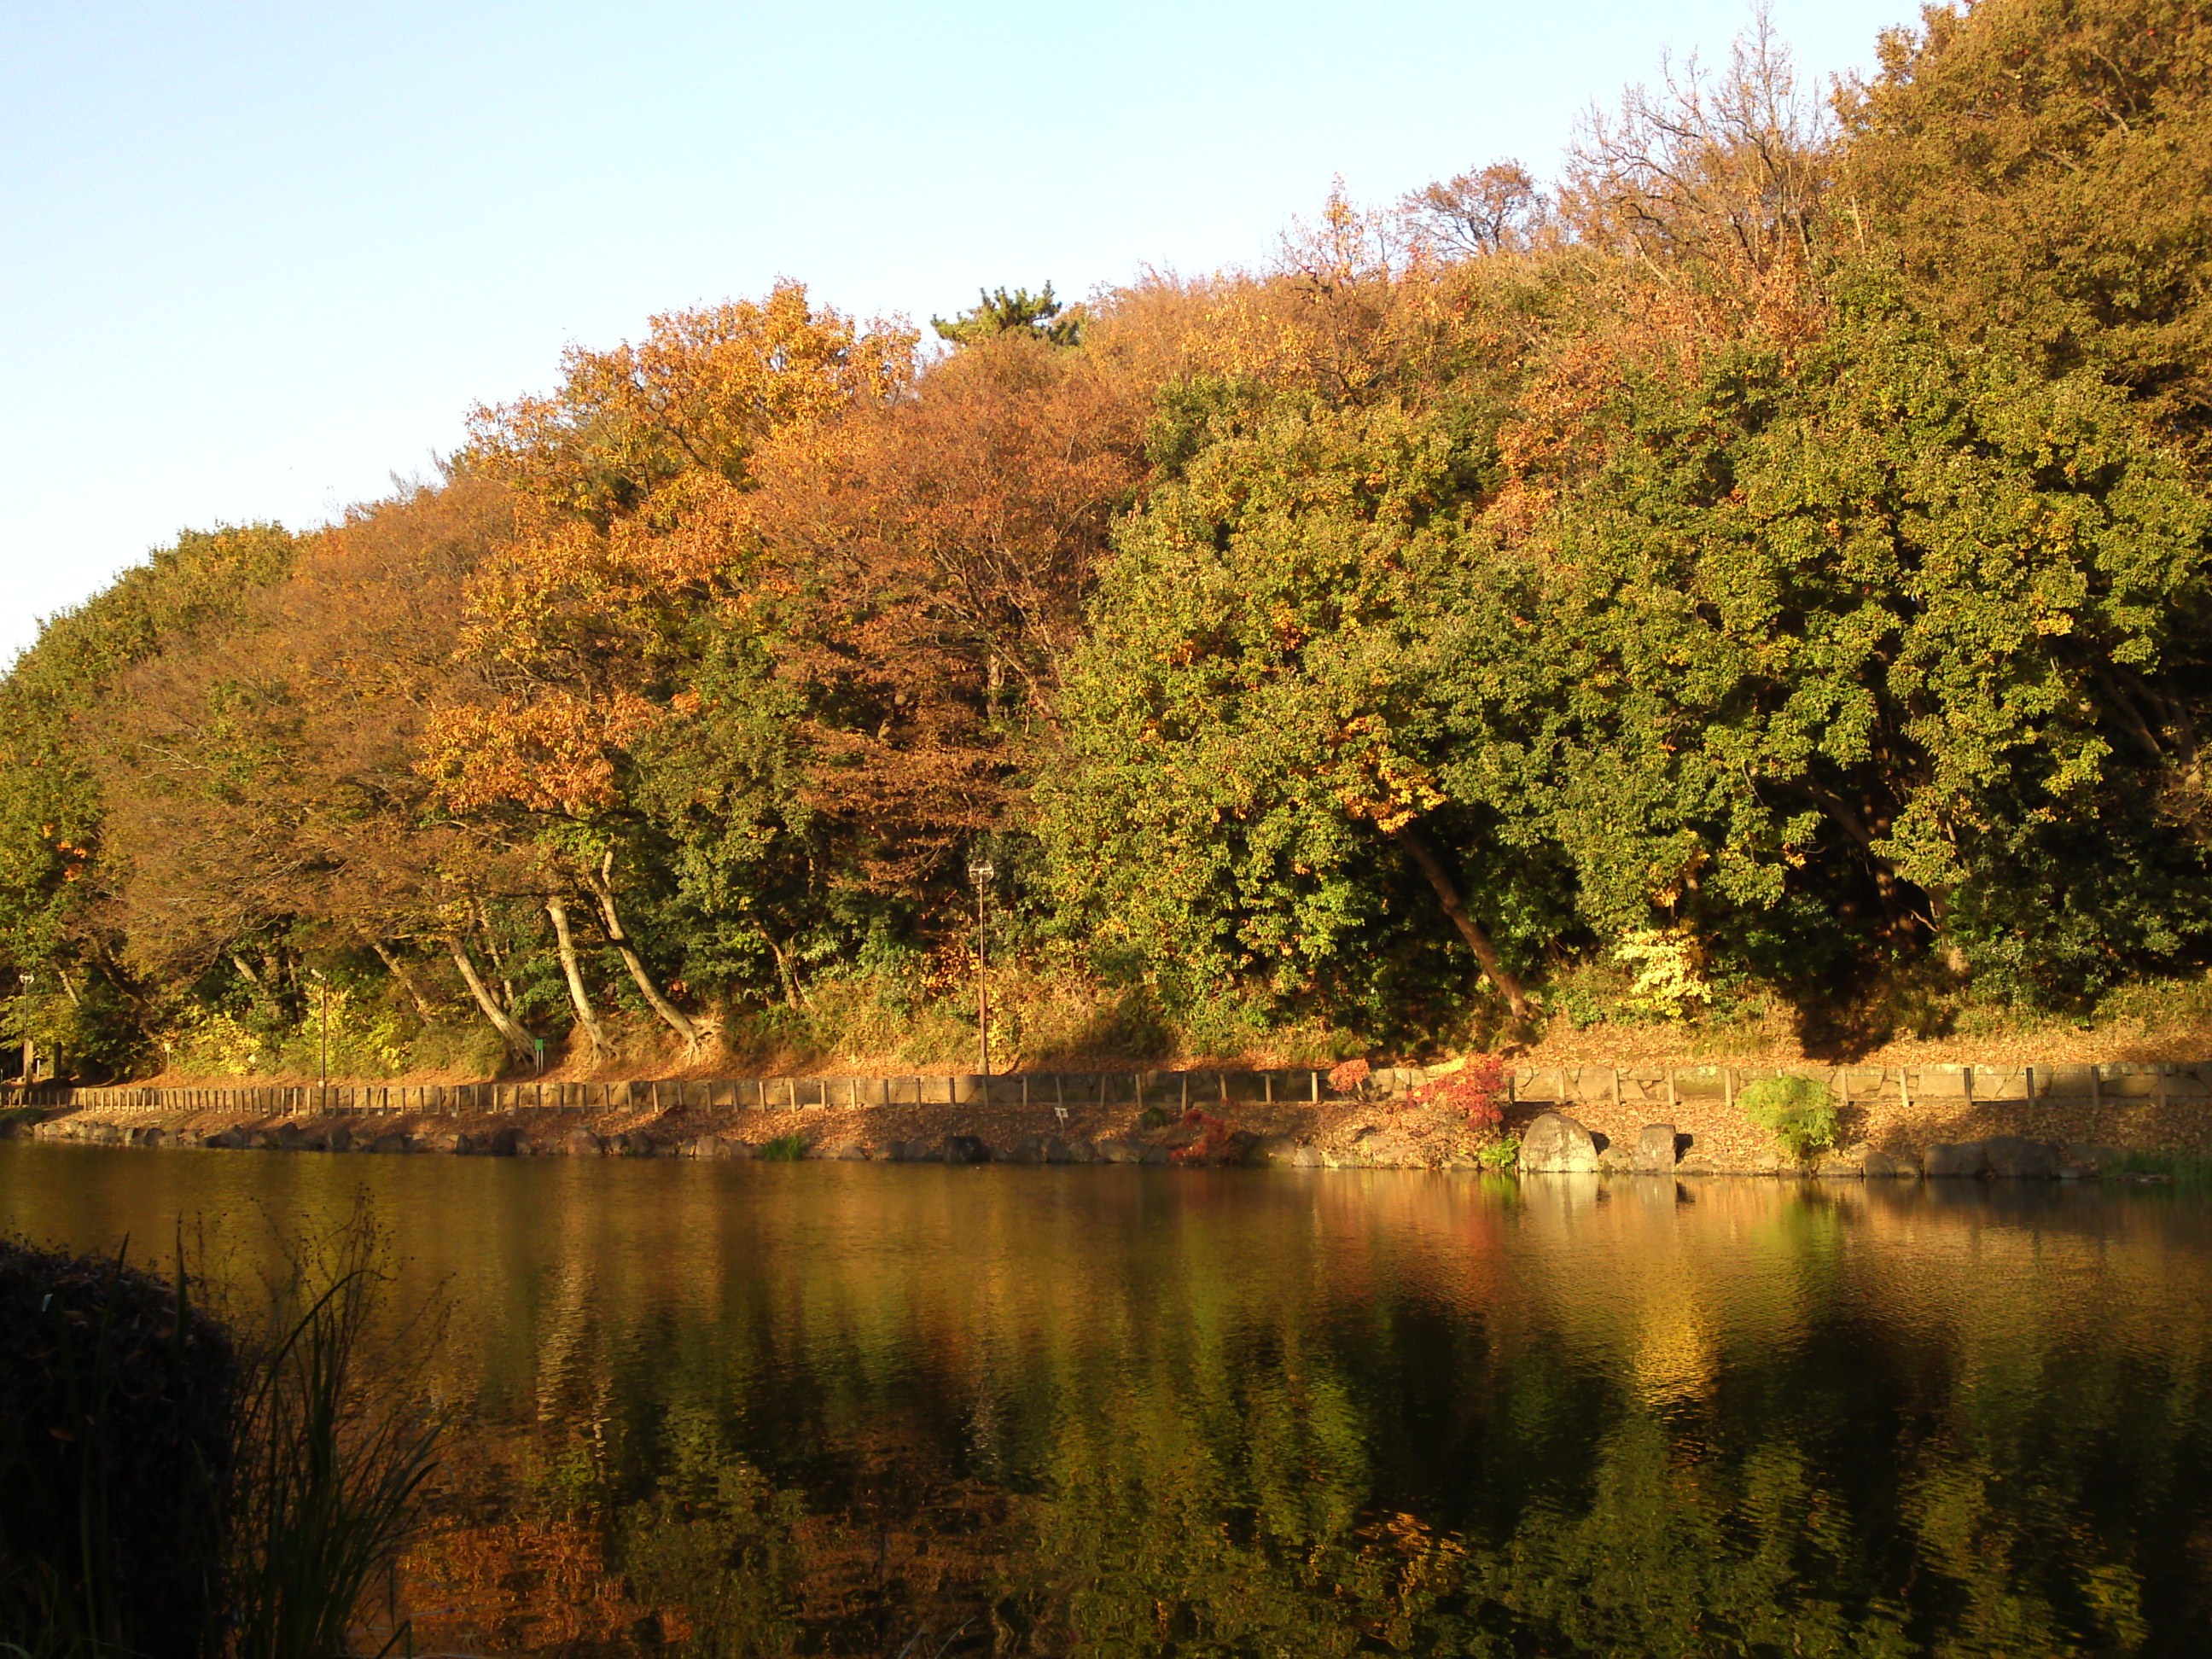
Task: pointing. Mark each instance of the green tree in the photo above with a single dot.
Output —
(1040, 316)
(1889, 641)
(1254, 787)
(58, 879)
(2043, 171)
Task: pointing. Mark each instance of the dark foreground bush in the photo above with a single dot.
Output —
(117, 1418)
(175, 1489)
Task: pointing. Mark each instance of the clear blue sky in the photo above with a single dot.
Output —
(255, 258)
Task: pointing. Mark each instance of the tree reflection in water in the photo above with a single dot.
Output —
(814, 1408)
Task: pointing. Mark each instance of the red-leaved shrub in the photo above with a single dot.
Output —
(1210, 1146)
(1476, 1091)
(1348, 1078)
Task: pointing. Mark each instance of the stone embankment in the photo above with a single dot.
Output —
(1555, 1144)
(1891, 1109)
(2058, 1140)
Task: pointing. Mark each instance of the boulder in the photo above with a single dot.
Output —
(910, 1151)
(501, 1143)
(340, 1139)
(2019, 1158)
(966, 1149)
(1377, 1149)
(1655, 1149)
(1965, 1158)
(391, 1141)
(1275, 1149)
(1881, 1165)
(582, 1143)
(1614, 1158)
(1845, 1164)
(849, 1151)
(1121, 1149)
(1555, 1144)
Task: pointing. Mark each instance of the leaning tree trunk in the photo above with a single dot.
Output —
(396, 965)
(519, 1043)
(1432, 866)
(602, 886)
(587, 1017)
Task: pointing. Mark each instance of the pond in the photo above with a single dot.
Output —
(739, 1409)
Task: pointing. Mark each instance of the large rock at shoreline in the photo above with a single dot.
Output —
(2007, 1157)
(1948, 1158)
(1655, 1149)
(2018, 1157)
(1555, 1144)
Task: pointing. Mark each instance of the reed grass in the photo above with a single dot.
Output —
(331, 1465)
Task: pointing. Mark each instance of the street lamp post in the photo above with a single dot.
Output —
(322, 1041)
(30, 1043)
(980, 871)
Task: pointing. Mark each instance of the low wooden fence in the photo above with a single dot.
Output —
(1655, 1086)
(1175, 1090)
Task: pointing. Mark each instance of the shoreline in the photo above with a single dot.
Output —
(1935, 1135)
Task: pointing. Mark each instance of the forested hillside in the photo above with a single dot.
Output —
(1764, 565)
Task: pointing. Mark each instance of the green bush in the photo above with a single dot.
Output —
(1797, 1111)
(1499, 1155)
(2182, 1169)
(784, 1149)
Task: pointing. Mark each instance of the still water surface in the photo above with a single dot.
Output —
(740, 1409)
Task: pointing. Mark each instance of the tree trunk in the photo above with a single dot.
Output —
(519, 1043)
(1417, 846)
(602, 886)
(397, 967)
(792, 992)
(498, 956)
(586, 1017)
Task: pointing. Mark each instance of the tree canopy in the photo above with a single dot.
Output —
(1770, 557)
